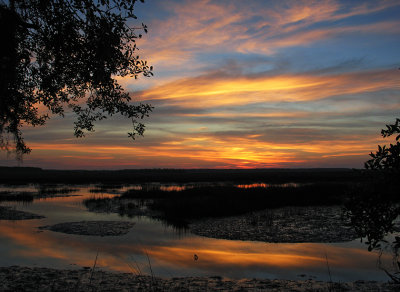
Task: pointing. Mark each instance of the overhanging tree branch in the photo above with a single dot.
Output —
(61, 54)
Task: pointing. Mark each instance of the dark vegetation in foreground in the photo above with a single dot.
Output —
(180, 207)
(222, 201)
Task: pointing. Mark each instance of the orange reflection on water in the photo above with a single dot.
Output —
(215, 253)
(165, 188)
(214, 256)
(264, 185)
(255, 185)
(66, 248)
(173, 188)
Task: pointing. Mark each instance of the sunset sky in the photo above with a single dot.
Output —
(247, 84)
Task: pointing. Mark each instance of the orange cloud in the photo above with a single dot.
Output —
(209, 91)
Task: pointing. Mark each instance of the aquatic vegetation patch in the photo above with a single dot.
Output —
(10, 213)
(95, 228)
(288, 224)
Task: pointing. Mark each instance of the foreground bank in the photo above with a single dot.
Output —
(44, 279)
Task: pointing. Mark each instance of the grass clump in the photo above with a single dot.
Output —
(45, 190)
(225, 201)
(180, 207)
(16, 196)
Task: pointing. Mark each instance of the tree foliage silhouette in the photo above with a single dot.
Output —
(374, 211)
(60, 54)
(387, 158)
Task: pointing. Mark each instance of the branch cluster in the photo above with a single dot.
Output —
(60, 54)
(387, 158)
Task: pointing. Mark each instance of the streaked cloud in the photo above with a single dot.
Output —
(220, 89)
(197, 27)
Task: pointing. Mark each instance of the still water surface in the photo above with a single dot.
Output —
(171, 252)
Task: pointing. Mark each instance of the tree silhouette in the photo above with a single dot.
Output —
(387, 158)
(372, 212)
(60, 54)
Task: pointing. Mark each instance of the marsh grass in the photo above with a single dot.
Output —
(109, 186)
(226, 201)
(49, 190)
(153, 279)
(330, 284)
(124, 207)
(179, 207)
(106, 188)
(42, 192)
(96, 204)
(92, 270)
(16, 196)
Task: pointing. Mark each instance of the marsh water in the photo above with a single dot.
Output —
(152, 246)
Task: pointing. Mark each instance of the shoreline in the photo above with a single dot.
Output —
(16, 278)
